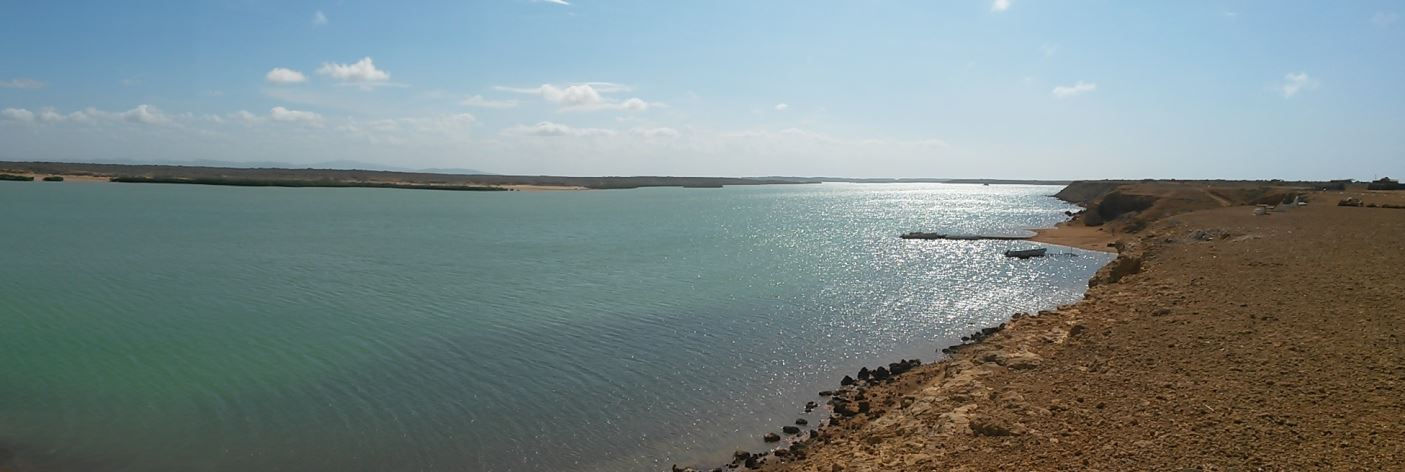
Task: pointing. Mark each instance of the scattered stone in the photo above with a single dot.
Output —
(790, 429)
(983, 425)
(864, 374)
(846, 381)
(771, 437)
(801, 421)
(826, 393)
(1161, 312)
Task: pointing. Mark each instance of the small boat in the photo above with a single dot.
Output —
(1026, 253)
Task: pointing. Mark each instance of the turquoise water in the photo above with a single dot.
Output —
(198, 328)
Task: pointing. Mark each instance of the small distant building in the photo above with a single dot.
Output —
(1384, 183)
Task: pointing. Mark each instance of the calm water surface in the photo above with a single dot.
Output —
(193, 328)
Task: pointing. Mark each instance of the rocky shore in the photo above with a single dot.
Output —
(1217, 340)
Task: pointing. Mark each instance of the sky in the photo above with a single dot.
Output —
(857, 88)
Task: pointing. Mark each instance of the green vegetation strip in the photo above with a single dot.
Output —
(300, 183)
(17, 178)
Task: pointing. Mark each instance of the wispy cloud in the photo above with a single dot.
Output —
(1384, 18)
(660, 132)
(280, 75)
(782, 107)
(549, 129)
(1295, 83)
(553, 2)
(17, 114)
(1078, 88)
(1000, 5)
(588, 96)
(21, 84)
(295, 116)
(479, 102)
(319, 18)
(141, 114)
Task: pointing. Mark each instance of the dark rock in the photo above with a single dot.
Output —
(863, 407)
(880, 373)
(810, 405)
(740, 456)
(864, 374)
(676, 468)
(781, 452)
(790, 430)
(801, 421)
(826, 393)
(846, 381)
(846, 408)
(1077, 330)
(771, 437)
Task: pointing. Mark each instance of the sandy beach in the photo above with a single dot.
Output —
(1218, 340)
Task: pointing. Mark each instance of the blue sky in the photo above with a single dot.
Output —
(1017, 88)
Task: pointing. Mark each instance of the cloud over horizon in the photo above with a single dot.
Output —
(588, 96)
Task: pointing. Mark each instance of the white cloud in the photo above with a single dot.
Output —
(245, 117)
(145, 114)
(17, 114)
(319, 18)
(362, 73)
(782, 107)
(1078, 88)
(549, 129)
(588, 96)
(1293, 83)
(281, 75)
(21, 84)
(1384, 18)
(661, 132)
(554, 2)
(294, 116)
(480, 102)
(1000, 5)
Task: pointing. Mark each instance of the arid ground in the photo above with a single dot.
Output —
(1218, 340)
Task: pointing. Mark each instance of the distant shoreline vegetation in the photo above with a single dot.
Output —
(16, 178)
(281, 177)
(243, 182)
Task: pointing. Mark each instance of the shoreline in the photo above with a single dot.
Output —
(1148, 370)
(854, 397)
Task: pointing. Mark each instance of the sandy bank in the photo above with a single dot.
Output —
(1077, 235)
(1218, 340)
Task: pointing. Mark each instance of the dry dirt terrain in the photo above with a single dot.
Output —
(1218, 340)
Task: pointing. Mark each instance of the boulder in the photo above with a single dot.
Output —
(771, 437)
(790, 429)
